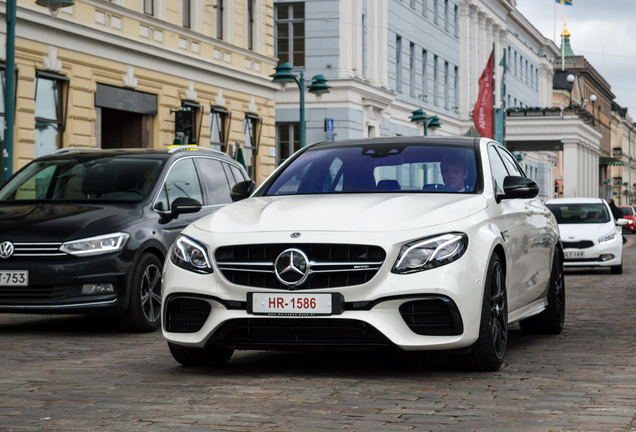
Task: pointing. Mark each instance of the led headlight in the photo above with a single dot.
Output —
(99, 245)
(430, 252)
(609, 237)
(190, 255)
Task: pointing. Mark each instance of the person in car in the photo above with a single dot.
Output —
(455, 173)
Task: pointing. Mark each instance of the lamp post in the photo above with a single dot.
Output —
(317, 85)
(593, 99)
(54, 7)
(570, 79)
(429, 122)
(607, 183)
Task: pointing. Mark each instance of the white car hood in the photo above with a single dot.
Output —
(347, 212)
(572, 232)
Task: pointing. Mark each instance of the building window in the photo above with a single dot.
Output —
(446, 86)
(50, 112)
(435, 82)
(456, 21)
(515, 64)
(287, 141)
(412, 69)
(536, 79)
(364, 45)
(219, 19)
(186, 6)
(219, 128)
(446, 17)
(413, 4)
(290, 34)
(250, 24)
(456, 89)
(149, 7)
(398, 63)
(425, 7)
(527, 74)
(252, 130)
(424, 76)
(436, 11)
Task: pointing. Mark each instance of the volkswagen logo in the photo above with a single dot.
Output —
(292, 267)
(295, 235)
(6, 249)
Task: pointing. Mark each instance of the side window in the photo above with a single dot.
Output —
(215, 181)
(238, 175)
(498, 169)
(182, 181)
(228, 173)
(511, 165)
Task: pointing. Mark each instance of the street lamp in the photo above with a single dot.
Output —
(593, 99)
(429, 122)
(570, 79)
(317, 85)
(9, 94)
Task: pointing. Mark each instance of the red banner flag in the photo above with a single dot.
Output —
(483, 112)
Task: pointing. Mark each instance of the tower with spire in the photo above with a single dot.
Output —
(567, 55)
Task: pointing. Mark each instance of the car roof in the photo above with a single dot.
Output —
(174, 153)
(413, 140)
(575, 201)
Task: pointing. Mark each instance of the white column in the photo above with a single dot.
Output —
(464, 60)
(349, 41)
(482, 43)
(474, 54)
(570, 169)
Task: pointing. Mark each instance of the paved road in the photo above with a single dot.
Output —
(75, 373)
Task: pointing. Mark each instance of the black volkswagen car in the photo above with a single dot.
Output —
(87, 231)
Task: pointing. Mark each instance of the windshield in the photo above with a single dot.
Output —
(580, 213)
(627, 211)
(115, 179)
(381, 168)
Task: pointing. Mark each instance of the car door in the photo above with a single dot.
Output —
(182, 181)
(517, 233)
(541, 242)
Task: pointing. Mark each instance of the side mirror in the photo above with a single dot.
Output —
(622, 222)
(242, 190)
(184, 205)
(520, 187)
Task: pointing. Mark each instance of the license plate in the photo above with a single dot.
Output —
(574, 254)
(291, 304)
(14, 278)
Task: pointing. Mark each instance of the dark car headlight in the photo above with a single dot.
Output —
(190, 255)
(99, 245)
(430, 252)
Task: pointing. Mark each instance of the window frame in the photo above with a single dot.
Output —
(290, 21)
(398, 63)
(149, 7)
(250, 25)
(62, 108)
(186, 13)
(290, 144)
(220, 8)
(254, 124)
(224, 119)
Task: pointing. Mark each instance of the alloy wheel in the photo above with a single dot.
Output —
(151, 293)
(498, 311)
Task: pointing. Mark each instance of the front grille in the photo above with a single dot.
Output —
(434, 317)
(35, 250)
(19, 294)
(186, 315)
(289, 333)
(583, 244)
(332, 265)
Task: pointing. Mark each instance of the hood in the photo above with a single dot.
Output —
(347, 212)
(61, 222)
(585, 231)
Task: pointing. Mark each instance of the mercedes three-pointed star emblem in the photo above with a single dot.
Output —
(292, 267)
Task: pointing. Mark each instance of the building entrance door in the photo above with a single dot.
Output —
(121, 129)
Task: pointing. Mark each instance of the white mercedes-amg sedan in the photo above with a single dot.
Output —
(405, 243)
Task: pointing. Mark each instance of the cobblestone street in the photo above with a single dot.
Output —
(79, 373)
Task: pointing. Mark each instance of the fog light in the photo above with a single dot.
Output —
(607, 257)
(101, 288)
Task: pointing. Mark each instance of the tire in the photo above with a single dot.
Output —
(487, 354)
(617, 269)
(144, 308)
(200, 357)
(552, 319)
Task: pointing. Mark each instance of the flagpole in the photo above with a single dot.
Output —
(555, 27)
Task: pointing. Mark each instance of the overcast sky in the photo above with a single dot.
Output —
(597, 27)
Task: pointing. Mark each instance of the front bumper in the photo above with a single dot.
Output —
(55, 285)
(370, 316)
(592, 255)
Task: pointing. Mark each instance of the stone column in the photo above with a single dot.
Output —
(377, 41)
(464, 60)
(571, 168)
(474, 54)
(483, 42)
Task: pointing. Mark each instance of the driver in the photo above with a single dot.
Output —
(455, 172)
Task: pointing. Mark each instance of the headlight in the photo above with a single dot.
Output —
(609, 237)
(190, 255)
(96, 245)
(430, 252)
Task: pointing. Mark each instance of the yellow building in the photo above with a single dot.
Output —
(146, 73)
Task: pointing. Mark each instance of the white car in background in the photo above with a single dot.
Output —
(589, 233)
(408, 243)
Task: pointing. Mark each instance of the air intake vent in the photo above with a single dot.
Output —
(583, 244)
(186, 315)
(434, 317)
